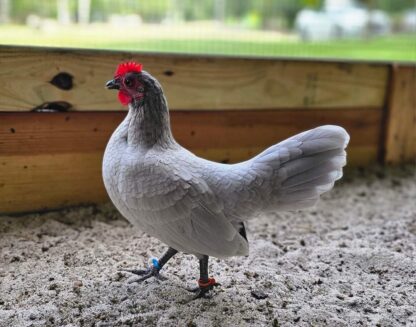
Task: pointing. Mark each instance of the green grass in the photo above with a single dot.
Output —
(389, 48)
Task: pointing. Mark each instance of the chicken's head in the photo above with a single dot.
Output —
(130, 81)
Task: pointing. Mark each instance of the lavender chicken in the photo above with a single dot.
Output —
(197, 206)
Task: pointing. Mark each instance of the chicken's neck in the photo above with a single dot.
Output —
(149, 123)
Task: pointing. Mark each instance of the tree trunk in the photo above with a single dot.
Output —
(4, 11)
(84, 7)
(219, 10)
(64, 16)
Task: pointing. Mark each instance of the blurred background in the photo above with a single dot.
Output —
(349, 29)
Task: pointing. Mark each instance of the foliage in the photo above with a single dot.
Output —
(267, 11)
(20, 9)
(150, 10)
(391, 6)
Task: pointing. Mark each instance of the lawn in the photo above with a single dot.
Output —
(210, 40)
(394, 48)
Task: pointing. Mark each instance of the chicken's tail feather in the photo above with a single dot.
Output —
(304, 166)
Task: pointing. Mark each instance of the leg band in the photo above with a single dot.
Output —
(210, 282)
(154, 262)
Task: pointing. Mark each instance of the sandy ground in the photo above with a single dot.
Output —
(351, 261)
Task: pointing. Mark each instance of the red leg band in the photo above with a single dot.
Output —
(210, 282)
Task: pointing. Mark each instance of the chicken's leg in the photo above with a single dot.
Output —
(205, 284)
(154, 268)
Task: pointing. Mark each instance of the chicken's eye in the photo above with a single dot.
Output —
(128, 82)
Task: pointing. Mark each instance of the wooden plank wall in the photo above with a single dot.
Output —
(400, 143)
(52, 160)
(224, 109)
(190, 83)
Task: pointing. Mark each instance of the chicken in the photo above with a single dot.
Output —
(197, 206)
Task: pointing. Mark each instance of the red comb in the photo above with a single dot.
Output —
(127, 67)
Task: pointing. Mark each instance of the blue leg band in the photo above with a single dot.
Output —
(155, 263)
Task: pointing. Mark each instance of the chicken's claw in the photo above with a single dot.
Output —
(202, 291)
(152, 271)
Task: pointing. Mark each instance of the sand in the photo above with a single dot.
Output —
(350, 261)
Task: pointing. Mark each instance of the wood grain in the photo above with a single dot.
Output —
(190, 82)
(401, 124)
(49, 181)
(45, 133)
(51, 160)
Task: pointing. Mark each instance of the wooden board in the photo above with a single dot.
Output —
(190, 82)
(51, 160)
(49, 181)
(401, 123)
(38, 133)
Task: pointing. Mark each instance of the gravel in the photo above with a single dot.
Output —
(350, 261)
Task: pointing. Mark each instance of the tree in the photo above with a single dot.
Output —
(4, 11)
(64, 16)
(219, 10)
(84, 7)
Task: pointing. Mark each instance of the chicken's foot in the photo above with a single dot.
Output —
(154, 268)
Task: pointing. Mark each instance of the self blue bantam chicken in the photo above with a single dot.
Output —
(198, 206)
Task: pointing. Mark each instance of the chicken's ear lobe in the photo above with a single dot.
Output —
(124, 98)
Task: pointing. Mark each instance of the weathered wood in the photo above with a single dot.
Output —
(400, 146)
(49, 181)
(50, 160)
(190, 82)
(49, 133)
(30, 133)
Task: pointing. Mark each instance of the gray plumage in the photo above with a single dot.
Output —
(198, 206)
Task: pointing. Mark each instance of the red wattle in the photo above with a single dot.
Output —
(124, 98)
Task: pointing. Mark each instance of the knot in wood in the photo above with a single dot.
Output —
(63, 81)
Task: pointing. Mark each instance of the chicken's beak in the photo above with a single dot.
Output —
(112, 84)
